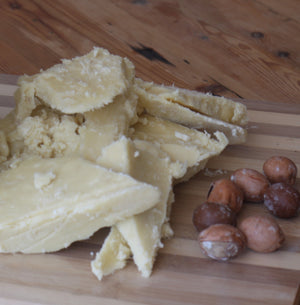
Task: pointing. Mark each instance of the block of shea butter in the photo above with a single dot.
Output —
(217, 107)
(49, 133)
(46, 204)
(113, 255)
(142, 233)
(156, 105)
(82, 84)
(185, 146)
(14, 141)
(106, 125)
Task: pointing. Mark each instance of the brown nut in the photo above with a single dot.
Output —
(282, 200)
(226, 192)
(221, 242)
(262, 232)
(208, 214)
(280, 169)
(253, 183)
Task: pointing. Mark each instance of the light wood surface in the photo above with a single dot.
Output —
(235, 48)
(182, 275)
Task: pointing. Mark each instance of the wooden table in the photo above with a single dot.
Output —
(240, 49)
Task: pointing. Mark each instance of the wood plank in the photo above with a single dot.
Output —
(273, 118)
(214, 37)
(7, 90)
(221, 45)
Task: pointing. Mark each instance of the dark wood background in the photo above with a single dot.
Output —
(235, 48)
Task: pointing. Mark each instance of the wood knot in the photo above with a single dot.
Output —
(151, 54)
(141, 2)
(283, 54)
(257, 35)
(15, 5)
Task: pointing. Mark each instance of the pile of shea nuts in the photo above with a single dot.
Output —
(216, 219)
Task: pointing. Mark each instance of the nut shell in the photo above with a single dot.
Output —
(253, 183)
(262, 232)
(221, 242)
(208, 214)
(282, 200)
(226, 192)
(280, 169)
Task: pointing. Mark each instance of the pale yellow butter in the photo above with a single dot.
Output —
(113, 255)
(217, 107)
(142, 233)
(189, 149)
(104, 126)
(15, 143)
(156, 105)
(118, 156)
(48, 133)
(4, 149)
(78, 85)
(62, 200)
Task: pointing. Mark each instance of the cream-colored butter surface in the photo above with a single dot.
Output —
(62, 200)
(118, 156)
(160, 107)
(141, 232)
(9, 128)
(188, 147)
(106, 125)
(82, 84)
(217, 107)
(4, 149)
(113, 255)
(48, 133)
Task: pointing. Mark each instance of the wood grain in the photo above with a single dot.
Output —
(182, 275)
(235, 48)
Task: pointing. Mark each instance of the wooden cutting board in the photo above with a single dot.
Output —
(182, 275)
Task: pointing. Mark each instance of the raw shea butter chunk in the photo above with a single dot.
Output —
(78, 85)
(106, 125)
(217, 107)
(113, 255)
(48, 133)
(142, 232)
(189, 149)
(157, 105)
(61, 200)
(10, 137)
